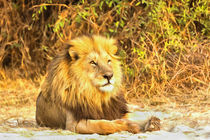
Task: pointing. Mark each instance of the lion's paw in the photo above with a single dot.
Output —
(153, 124)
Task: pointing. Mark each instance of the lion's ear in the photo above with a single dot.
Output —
(114, 49)
(73, 54)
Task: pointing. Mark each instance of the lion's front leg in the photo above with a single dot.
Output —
(100, 126)
(71, 123)
(106, 126)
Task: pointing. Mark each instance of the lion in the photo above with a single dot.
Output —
(82, 91)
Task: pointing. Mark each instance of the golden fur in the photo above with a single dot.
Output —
(84, 83)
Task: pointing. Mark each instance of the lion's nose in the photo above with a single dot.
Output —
(108, 75)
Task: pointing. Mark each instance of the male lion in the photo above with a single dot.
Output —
(82, 91)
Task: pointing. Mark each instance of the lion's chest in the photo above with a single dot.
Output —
(115, 109)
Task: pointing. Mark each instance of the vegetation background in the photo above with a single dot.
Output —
(164, 45)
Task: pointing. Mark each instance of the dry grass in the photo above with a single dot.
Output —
(17, 101)
(19, 92)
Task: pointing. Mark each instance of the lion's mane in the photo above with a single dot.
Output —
(66, 86)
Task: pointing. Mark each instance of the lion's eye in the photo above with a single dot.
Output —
(109, 61)
(93, 63)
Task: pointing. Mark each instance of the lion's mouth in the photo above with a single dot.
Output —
(108, 83)
(108, 87)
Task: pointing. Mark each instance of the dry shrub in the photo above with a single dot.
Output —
(24, 40)
(181, 78)
(164, 45)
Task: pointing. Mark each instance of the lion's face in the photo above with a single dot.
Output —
(100, 71)
(95, 62)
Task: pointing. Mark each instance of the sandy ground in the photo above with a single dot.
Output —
(176, 124)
